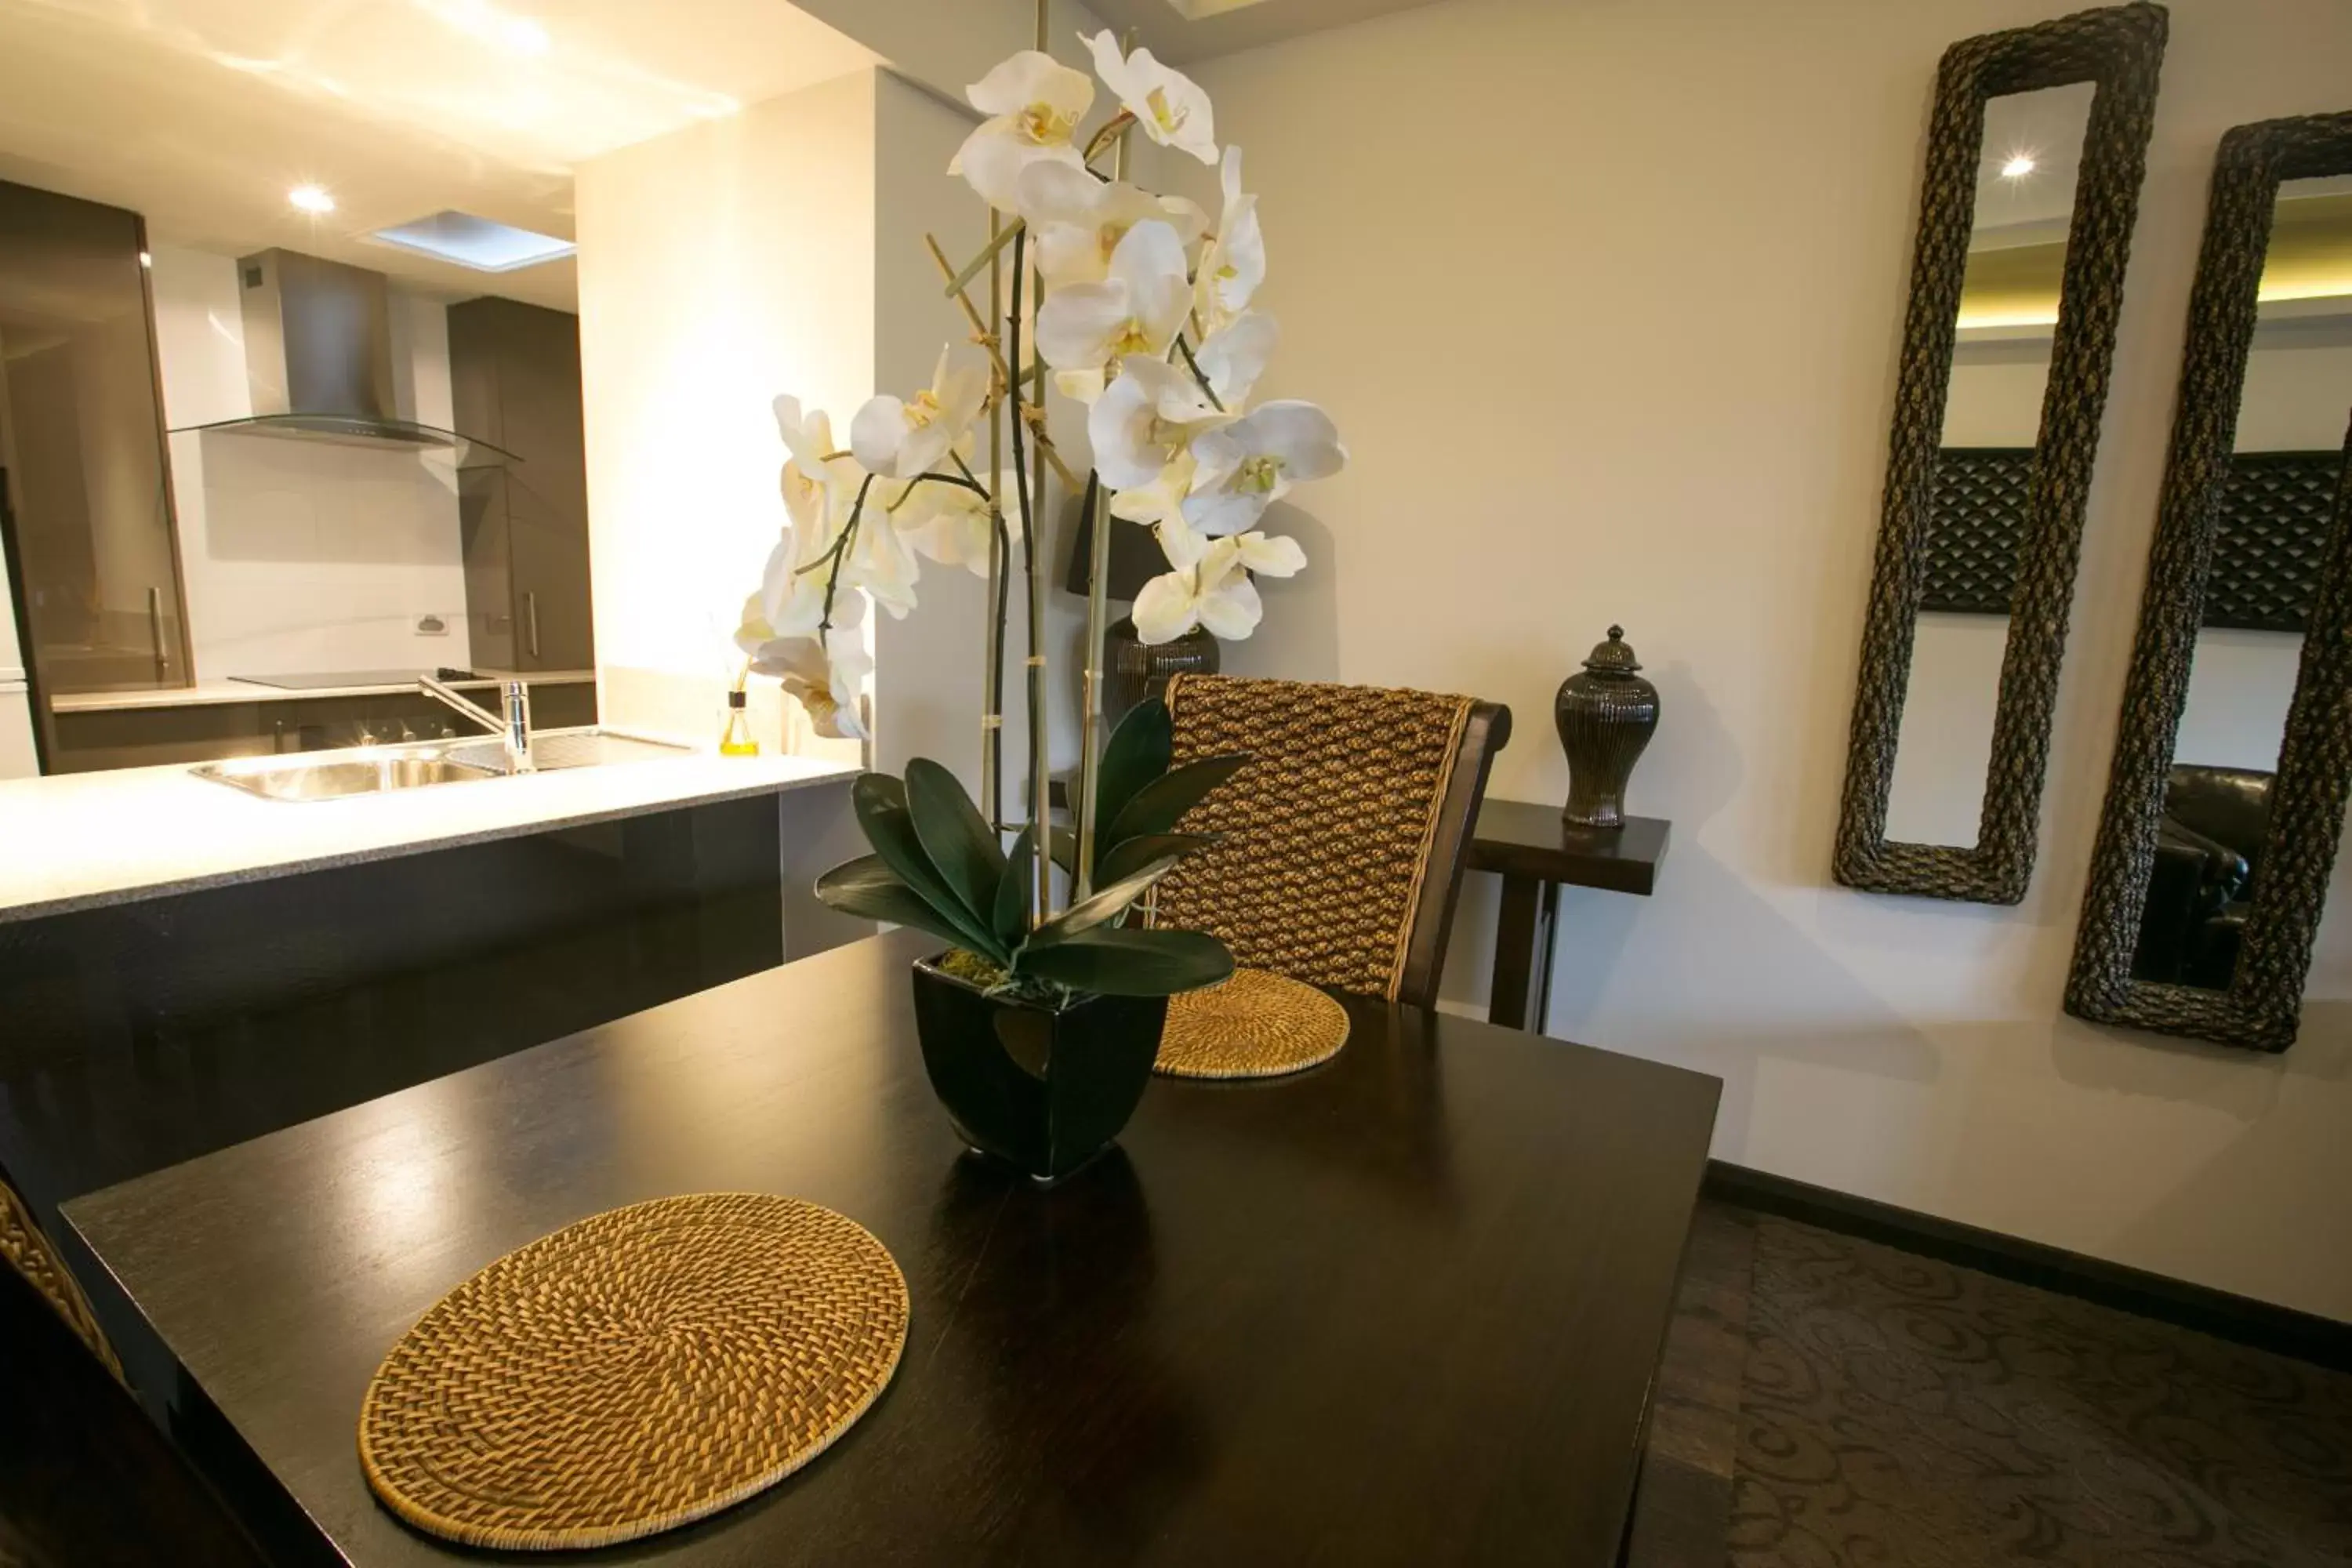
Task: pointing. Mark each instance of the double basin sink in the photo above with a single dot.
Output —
(382, 770)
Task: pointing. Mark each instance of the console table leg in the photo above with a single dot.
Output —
(1521, 987)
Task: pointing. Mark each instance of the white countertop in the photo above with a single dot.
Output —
(77, 840)
(205, 692)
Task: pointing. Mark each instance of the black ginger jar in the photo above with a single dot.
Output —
(1605, 717)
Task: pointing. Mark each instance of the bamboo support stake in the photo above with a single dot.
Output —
(1090, 713)
(991, 716)
(988, 341)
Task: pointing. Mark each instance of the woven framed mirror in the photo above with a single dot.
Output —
(2035, 154)
(2226, 798)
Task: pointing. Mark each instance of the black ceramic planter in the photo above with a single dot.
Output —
(1041, 1091)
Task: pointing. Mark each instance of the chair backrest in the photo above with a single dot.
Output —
(1345, 839)
(85, 1476)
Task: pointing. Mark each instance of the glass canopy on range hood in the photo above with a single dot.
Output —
(347, 430)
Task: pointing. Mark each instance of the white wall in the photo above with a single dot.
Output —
(303, 556)
(718, 266)
(1607, 300)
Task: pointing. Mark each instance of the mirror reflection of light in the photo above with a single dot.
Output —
(2020, 165)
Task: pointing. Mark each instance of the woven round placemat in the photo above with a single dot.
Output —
(1256, 1024)
(634, 1372)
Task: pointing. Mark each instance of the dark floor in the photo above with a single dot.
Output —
(1896, 1412)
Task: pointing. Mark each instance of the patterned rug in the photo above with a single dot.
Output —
(1901, 1413)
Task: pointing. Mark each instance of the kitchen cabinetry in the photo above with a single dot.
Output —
(514, 372)
(84, 505)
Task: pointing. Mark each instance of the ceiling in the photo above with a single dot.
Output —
(202, 114)
(1182, 30)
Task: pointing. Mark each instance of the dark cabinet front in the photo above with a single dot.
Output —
(88, 511)
(514, 382)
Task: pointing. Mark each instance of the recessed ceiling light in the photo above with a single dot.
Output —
(475, 242)
(311, 199)
(2020, 165)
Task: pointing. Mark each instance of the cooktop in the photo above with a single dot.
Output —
(321, 682)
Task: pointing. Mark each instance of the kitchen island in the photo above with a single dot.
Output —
(185, 966)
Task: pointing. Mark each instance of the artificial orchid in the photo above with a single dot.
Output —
(1139, 308)
(1148, 313)
(1168, 104)
(1078, 220)
(826, 675)
(1216, 591)
(902, 440)
(1243, 467)
(1034, 104)
(1233, 263)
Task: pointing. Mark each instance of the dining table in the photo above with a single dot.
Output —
(1404, 1306)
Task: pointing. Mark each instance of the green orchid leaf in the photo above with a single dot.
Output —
(1115, 961)
(867, 889)
(1139, 752)
(890, 829)
(1011, 914)
(956, 837)
(1133, 856)
(1065, 848)
(880, 790)
(1159, 805)
(1103, 907)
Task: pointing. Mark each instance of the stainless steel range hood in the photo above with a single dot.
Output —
(318, 360)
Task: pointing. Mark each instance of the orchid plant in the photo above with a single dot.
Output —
(1137, 305)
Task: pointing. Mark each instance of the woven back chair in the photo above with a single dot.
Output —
(1344, 840)
(85, 1476)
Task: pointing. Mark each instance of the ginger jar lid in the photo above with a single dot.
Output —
(1614, 657)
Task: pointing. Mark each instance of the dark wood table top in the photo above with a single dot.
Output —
(1520, 838)
(1405, 1308)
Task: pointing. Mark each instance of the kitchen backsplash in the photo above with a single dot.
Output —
(299, 556)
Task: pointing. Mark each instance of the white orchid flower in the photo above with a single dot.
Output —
(1138, 309)
(1077, 221)
(881, 560)
(826, 677)
(1161, 500)
(1034, 104)
(1168, 104)
(1216, 590)
(899, 440)
(1150, 418)
(950, 523)
(1232, 265)
(1233, 356)
(1246, 466)
(816, 490)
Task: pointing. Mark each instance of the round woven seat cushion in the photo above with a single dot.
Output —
(1255, 1025)
(632, 1372)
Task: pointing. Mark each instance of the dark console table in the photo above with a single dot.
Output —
(1536, 854)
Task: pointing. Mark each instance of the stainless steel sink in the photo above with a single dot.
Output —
(376, 769)
(333, 776)
(553, 750)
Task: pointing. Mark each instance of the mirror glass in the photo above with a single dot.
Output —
(2274, 509)
(2026, 174)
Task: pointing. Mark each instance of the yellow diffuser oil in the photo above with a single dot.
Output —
(736, 740)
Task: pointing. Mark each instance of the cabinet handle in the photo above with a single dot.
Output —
(155, 632)
(530, 615)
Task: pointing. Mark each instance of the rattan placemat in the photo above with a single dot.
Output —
(1256, 1024)
(634, 1372)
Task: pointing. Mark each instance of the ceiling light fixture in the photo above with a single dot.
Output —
(311, 199)
(2020, 165)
